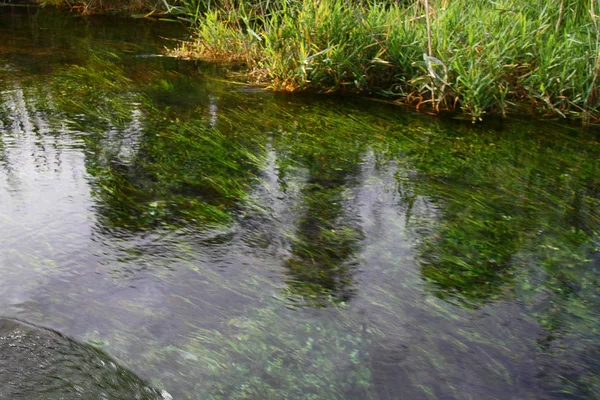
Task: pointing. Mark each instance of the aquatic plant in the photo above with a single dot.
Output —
(240, 244)
(486, 57)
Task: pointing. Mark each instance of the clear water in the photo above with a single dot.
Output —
(221, 242)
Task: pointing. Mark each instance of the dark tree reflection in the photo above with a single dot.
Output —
(155, 164)
(498, 198)
(328, 235)
(322, 261)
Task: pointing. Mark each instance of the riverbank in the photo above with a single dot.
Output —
(472, 57)
(509, 56)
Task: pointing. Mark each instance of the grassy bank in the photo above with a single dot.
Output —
(474, 57)
(525, 56)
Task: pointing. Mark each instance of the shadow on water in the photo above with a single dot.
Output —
(38, 364)
(323, 249)
(229, 243)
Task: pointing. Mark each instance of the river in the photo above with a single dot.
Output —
(219, 241)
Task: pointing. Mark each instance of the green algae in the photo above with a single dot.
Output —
(228, 243)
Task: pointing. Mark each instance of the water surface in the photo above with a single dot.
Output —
(221, 242)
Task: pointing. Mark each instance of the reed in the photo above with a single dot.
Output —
(474, 56)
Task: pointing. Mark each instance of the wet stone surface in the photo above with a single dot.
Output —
(40, 364)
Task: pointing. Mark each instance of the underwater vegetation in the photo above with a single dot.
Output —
(229, 243)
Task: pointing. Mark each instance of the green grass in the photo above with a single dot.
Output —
(507, 56)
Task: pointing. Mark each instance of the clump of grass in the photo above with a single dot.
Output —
(226, 42)
(486, 57)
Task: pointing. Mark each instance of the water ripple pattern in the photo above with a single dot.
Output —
(226, 243)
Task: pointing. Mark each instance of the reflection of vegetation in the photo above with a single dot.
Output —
(517, 216)
(187, 172)
(67, 37)
(478, 215)
(516, 195)
(327, 234)
(322, 251)
(563, 291)
(151, 169)
(470, 253)
(98, 93)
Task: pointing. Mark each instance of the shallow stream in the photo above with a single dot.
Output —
(221, 242)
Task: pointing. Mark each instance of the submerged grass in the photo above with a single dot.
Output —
(534, 56)
(413, 252)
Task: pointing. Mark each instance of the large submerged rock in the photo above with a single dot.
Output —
(40, 364)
